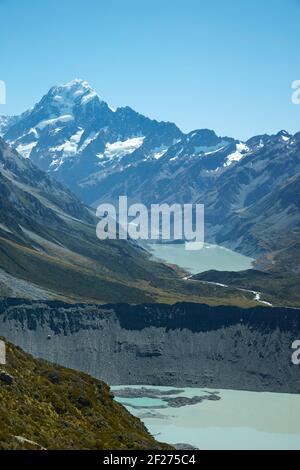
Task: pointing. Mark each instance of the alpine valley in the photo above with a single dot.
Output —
(250, 189)
(111, 309)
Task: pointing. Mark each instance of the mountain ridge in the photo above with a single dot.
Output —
(49, 248)
(100, 154)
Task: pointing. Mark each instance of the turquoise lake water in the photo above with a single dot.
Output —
(197, 261)
(239, 420)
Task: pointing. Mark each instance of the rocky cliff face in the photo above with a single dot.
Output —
(182, 345)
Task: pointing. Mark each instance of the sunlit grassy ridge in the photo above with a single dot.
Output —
(58, 408)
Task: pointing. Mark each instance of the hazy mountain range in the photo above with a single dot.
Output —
(101, 153)
(49, 249)
(250, 189)
(58, 160)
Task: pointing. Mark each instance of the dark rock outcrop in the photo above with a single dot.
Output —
(5, 378)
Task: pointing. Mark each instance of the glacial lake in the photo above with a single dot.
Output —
(238, 420)
(197, 261)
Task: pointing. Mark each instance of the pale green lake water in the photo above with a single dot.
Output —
(240, 420)
(197, 261)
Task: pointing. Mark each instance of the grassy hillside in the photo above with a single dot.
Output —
(51, 407)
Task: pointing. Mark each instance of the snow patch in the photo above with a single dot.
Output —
(52, 122)
(70, 147)
(120, 148)
(25, 149)
(159, 152)
(34, 132)
(78, 83)
(92, 136)
(241, 150)
(211, 149)
(88, 97)
(215, 151)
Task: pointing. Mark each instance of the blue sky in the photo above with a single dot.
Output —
(221, 64)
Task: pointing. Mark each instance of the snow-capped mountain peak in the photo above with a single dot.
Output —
(64, 98)
(74, 135)
(57, 120)
(71, 126)
(78, 83)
